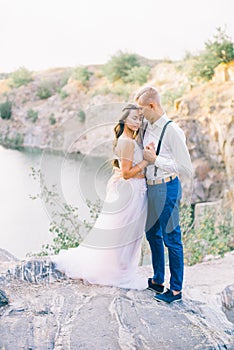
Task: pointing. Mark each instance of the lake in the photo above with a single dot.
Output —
(24, 223)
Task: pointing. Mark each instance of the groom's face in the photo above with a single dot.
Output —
(147, 111)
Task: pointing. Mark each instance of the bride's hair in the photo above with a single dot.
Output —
(119, 128)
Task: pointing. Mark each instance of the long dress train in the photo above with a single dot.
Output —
(110, 253)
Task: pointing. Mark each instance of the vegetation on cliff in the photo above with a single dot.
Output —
(218, 50)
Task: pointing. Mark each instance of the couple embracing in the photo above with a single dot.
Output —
(143, 196)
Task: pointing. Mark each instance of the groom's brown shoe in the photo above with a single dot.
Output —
(158, 288)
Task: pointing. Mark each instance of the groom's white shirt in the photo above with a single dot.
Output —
(174, 157)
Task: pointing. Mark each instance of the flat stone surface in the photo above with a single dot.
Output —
(69, 314)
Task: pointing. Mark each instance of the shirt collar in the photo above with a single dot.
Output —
(160, 122)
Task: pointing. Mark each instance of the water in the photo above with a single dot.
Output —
(24, 223)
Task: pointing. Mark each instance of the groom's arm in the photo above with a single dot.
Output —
(180, 153)
(179, 161)
(161, 162)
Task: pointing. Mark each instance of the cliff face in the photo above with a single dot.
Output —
(207, 116)
(78, 118)
(60, 313)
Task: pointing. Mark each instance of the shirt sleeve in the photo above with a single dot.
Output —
(166, 164)
(180, 161)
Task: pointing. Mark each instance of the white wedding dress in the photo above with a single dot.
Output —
(110, 253)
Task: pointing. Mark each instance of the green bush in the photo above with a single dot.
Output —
(63, 94)
(170, 96)
(21, 76)
(210, 238)
(32, 115)
(119, 66)
(82, 115)
(5, 109)
(18, 141)
(52, 119)
(219, 49)
(82, 74)
(45, 90)
(14, 142)
(138, 75)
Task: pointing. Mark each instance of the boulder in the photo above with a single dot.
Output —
(227, 297)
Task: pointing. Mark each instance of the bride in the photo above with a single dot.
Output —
(110, 253)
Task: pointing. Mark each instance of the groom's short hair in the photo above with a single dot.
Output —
(147, 95)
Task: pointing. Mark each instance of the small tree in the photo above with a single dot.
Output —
(119, 66)
(138, 75)
(21, 76)
(52, 119)
(65, 224)
(82, 74)
(45, 90)
(32, 115)
(5, 109)
(81, 115)
(218, 50)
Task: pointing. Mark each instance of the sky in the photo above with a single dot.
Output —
(41, 34)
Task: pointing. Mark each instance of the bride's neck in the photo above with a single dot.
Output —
(128, 133)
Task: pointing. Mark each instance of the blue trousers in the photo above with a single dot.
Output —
(162, 228)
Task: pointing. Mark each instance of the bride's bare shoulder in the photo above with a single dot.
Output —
(125, 143)
(125, 140)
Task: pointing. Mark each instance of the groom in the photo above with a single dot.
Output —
(164, 193)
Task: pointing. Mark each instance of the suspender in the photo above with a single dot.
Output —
(159, 142)
(161, 137)
(159, 145)
(144, 130)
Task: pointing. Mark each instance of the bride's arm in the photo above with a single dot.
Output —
(127, 152)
